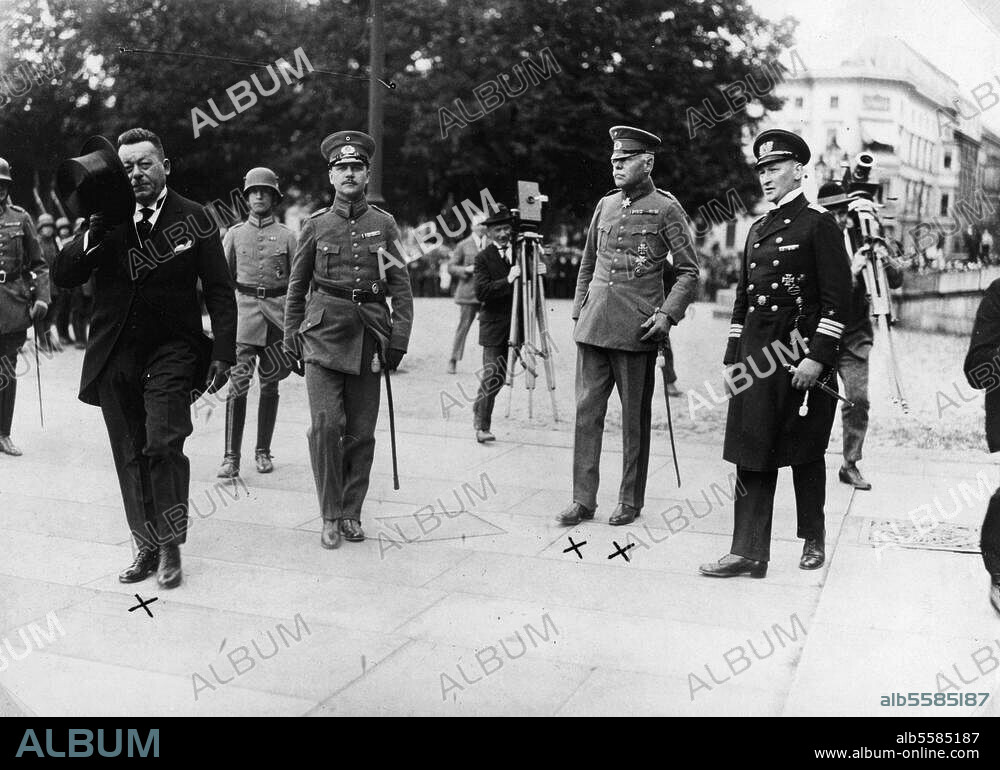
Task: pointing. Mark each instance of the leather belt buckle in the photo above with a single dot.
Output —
(356, 295)
(3, 276)
(261, 292)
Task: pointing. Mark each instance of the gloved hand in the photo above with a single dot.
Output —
(98, 230)
(393, 357)
(38, 310)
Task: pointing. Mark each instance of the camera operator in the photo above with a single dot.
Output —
(856, 344)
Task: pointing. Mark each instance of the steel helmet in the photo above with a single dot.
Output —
(63, 222)
(5, 171)
(46, 219)
(261, 177)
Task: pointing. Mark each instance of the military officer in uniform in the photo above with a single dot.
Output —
(348, 254)
(622, 314)
(259, 253)
(47, 341)
(20, 256)
(793, 290)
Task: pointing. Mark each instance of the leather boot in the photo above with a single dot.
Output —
(623, 514)
(168, 573)
(732, 565)
(330, 536)
(813, 554)
(573, 514)
(7, 396)
(141, 567)
(236, 415)
(267, 414)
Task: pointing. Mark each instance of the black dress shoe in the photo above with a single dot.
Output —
(168, 574)
(330, 538)
(850, 474)
(351, 530)
(732, 565)
(813, 554)
(574, 514)
(995, 594)
(624, 514)
(141, 568)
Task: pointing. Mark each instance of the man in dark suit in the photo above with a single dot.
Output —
(628, 296)
(494, 276)
(147, 355)
(982, 370)
(794, 290)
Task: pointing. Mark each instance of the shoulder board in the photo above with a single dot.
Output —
(238, 224)
(817, 207)
(611, 192)
(317, 213)
(15, 207)
(759, 219)
(664, 192)
(383, 211)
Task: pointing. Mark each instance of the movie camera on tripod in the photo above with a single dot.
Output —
(865, 233)
(529, 329)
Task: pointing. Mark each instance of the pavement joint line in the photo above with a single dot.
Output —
(568, 698)
(418, 613)
(323, 701)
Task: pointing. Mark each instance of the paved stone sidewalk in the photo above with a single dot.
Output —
(393, 626)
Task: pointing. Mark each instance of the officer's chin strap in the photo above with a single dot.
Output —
(379, 362)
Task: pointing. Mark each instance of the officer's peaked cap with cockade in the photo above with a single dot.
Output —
(629, 141)
(777, 144)
(348, 147)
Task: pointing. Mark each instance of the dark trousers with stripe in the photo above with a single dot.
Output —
(755, 507)
(598, 370)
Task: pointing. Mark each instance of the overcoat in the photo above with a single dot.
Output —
(791, 301)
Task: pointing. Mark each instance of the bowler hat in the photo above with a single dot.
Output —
(832, 195)
(96, 183)
(499, 216)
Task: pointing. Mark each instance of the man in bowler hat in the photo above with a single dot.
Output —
(147, 248)
(348, 256)
(628, 296)
(793, 291)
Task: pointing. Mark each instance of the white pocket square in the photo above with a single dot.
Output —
(182, 247)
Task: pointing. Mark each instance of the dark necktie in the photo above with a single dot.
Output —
(144, 226)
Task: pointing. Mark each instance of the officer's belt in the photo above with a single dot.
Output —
(261, 292)
(354, 295)
(781, 301)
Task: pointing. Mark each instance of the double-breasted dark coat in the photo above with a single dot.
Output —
(795, 277)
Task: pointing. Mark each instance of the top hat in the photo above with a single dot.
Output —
(629, 141)
(96, 183)
(500, 216)
(777, 144)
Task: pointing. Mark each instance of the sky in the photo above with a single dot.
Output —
(947, 32)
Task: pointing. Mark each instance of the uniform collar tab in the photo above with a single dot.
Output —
(350, 209)
(257, 221)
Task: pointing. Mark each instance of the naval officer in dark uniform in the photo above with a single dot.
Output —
(793, 291)
(623, 313)
(348, 254)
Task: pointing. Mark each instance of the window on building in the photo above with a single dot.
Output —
(799, 101)
(730, 233)
(834, 102)
(944, 204)
(947, 158)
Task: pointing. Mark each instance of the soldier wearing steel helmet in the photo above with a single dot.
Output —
(259, 252)
(47, 341)
(349, 256)
(22, 267)
(794, 290)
